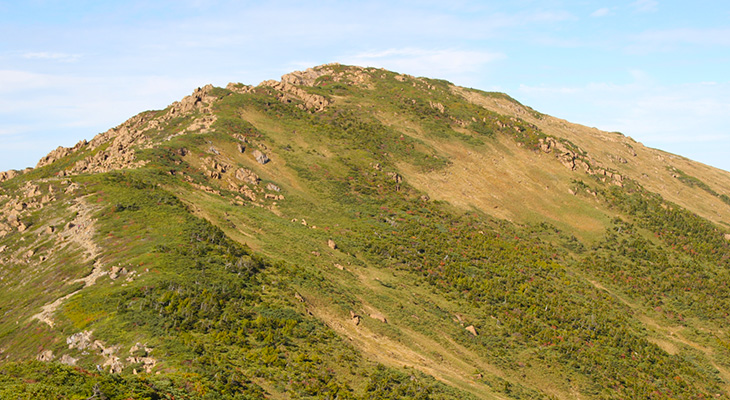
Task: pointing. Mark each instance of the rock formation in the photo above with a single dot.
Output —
(260, 157)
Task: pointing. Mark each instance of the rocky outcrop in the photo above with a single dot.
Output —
(68, 360)
(246, 191)
(45, 356)
(577, 161)
(307, 77)
(260, 156)
(114, 364)
(350, 75)
(115, 148)
(200, 100)
(85, 343)
(288, 93)
(15, 213)
(437, 106)
(80, 340)
(290, 85)
(119, 154)
(239, 88)
(139, 354)
(59, 153)
(214, 168)
(248, 176)
(5, 175)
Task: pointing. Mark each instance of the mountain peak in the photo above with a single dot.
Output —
(358, 233)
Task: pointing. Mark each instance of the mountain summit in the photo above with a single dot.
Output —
(355, 233)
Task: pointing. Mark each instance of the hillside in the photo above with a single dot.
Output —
(356, 233)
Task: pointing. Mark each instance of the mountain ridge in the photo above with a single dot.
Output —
(360, 233)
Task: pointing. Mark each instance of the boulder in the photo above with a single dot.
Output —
(46, 356)
(68, 360)
(114, 364)
(248, 176)
(79, 340)
(54, 155)
(13, 219)
(378, 316)
(260, 157)
(354, 318)
(471, 329)
(4, 176)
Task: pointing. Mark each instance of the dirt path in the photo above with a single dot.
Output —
(432, 359)
(79, 232)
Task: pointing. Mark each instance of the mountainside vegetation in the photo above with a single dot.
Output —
(355, 233)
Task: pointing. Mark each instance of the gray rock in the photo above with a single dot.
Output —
(260, 157)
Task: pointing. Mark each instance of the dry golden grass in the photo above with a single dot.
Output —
(632, 159)
(504, 180)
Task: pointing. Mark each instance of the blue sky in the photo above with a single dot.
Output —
(656, 70)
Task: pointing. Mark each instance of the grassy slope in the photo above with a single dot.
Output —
(555, 317)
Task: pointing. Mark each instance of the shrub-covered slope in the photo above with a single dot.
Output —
(357, 233)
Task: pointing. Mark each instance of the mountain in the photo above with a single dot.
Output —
(355, 233)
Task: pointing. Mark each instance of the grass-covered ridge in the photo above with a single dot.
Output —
(326, 273)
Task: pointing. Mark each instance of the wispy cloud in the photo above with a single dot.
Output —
(713, 36)
(432, 62)
(13, 130)
(601, 12)
(668, 40)
(43, 55)
(645, 6)
(549, 16)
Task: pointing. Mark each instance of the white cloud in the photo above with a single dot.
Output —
(12, 130)
(645, 6)
(12, 80)
(64, 57)
(669, 40)
(549, 16)
(714, 36)
(601, 12)
(445, 63)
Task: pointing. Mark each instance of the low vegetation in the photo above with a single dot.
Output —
(323, 273)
